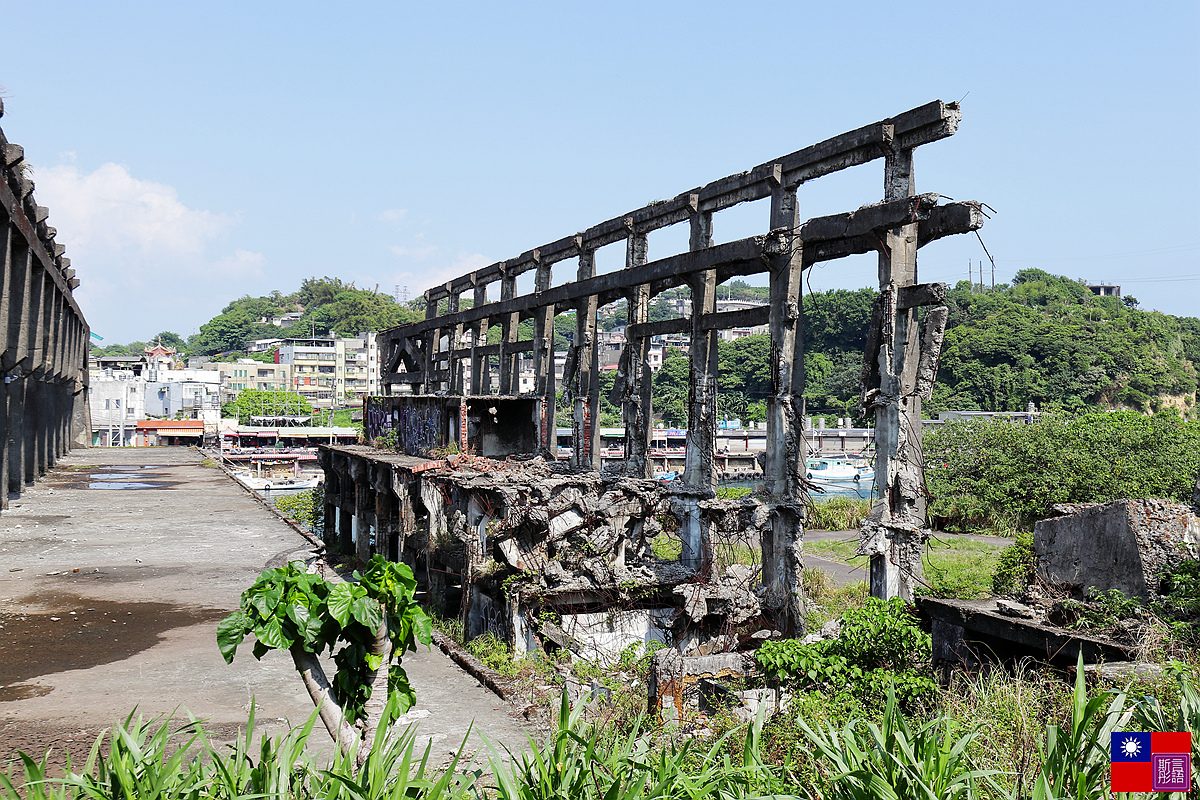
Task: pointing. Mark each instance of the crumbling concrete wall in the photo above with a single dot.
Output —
(1125, 544)
(540, 555)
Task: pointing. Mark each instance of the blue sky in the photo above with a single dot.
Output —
(194, 153)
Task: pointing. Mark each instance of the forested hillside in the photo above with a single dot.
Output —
(1043, 339)
(326, 305)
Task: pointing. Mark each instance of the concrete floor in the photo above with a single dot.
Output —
(109, 601)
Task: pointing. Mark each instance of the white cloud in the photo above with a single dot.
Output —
(109, 209)
(393, 215)
(146, 261)
(242, 265)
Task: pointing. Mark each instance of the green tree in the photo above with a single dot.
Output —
(222, 333)
(366, 625)
(671, 386)
(169, 339)
(265, 402)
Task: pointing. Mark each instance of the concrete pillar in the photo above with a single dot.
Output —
(479, 363)
(32, 390)
(435, 581)
(329, 526)
(510, 380)
(45, 375)
(406, 522)
(346, 521)
(698, 472)
(81, 418)
(15, 392)
(636, 404)
(429, 383)
(543, 364)
(387, 528)
(585, 426)
(364, 511)
(785, 444)
(8, 237)
(894, 530)
(455, 365)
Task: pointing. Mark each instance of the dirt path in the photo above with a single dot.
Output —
(109, 600)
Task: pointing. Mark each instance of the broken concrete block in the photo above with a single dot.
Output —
(672, 675)
(511, 553)
(1125, 545)
(1011, 608)
(564, 523)
(1121, 672)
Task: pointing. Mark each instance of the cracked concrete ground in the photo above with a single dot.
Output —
(110, 597)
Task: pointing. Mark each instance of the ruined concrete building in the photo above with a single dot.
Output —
(43, 336)
(461, 481)
(1081, 549)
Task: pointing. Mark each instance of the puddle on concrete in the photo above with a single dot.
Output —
(127, 467)
(23, 691)
(118, 476)
(97, 632)
(123, 485)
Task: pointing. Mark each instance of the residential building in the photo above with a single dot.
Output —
(246, 373)
(117, 399)
(126, 391)
(331, 372)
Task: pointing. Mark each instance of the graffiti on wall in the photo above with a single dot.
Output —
(415, 425)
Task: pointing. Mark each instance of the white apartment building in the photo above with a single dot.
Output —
(246, 373)
(331, 372)
(117, 400)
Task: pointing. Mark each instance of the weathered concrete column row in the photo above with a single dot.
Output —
(43, 336)
(425, 357)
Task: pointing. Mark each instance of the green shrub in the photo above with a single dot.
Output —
(1179, 601)
(1016, 567)
(306, 507)
(880, 645)
(1003, 471)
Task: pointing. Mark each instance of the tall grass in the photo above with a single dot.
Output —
(837, 514)
(1021, 736)
(572, 763)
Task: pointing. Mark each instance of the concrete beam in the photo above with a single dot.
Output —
(922, 125)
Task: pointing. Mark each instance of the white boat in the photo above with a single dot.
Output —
(838, 470)
(268, 483)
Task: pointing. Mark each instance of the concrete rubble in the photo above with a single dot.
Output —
(1082, 552)
(1125, 545)
(546, 557)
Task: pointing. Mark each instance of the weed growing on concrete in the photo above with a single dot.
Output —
(1015, 565)
(825, 601)
(493, 652)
